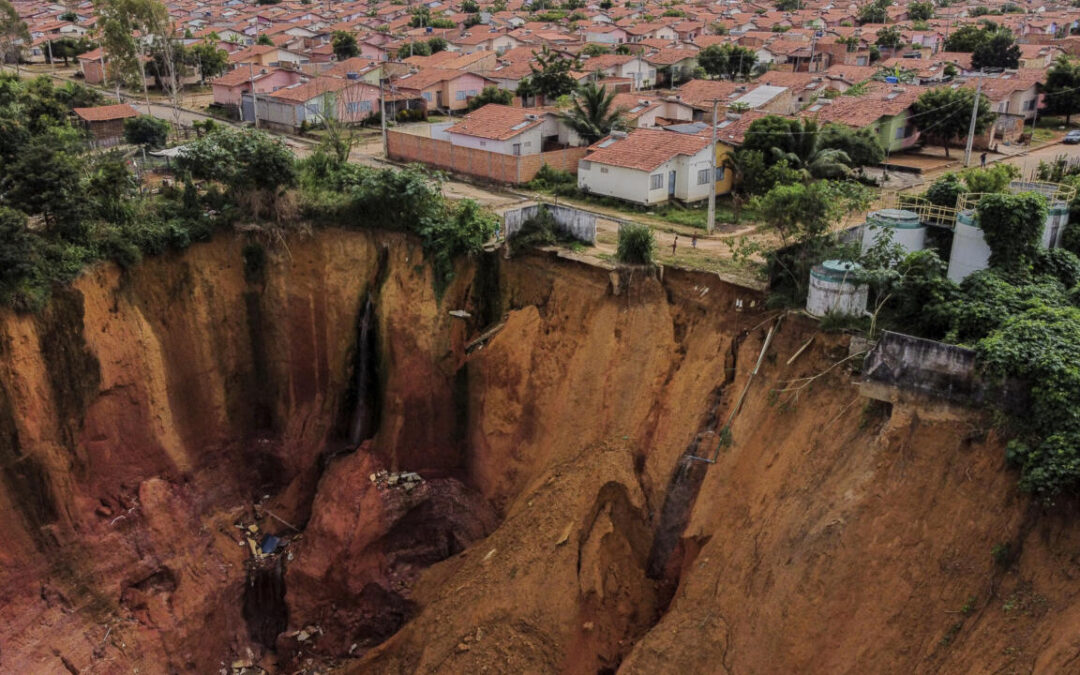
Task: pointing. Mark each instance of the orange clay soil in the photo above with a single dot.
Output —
(554, 524)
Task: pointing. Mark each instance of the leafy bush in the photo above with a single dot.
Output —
(945, 190)
(540, 230)
(1041, 346)
(1012, 225)
(147, 131)
(636, 245)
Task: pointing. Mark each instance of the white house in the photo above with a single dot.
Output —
(648, 166)
(507, 130)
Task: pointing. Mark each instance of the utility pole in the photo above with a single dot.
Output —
(971, 127)
(711, 224)
(382, 117)
(254, 96)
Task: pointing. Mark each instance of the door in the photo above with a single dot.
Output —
(671, 184)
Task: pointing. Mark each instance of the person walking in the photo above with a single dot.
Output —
(674, 243)
(693, 241)
(983, 159)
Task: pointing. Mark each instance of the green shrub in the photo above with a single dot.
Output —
(636, 245)
(540, 230)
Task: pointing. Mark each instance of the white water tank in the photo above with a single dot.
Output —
(833, 289)
(906, 229)
(969, 250)
(1057, 217)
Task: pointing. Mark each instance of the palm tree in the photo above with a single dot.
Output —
(807, 153)
(593, 115)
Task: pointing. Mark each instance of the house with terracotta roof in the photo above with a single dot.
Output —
(312, 102)
(442, 88)
(885, 109)
(230, 87)
(649, 166)
(625, 66)
(105, 123)
(507, 130)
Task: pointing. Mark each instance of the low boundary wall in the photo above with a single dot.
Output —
(580, 225)
(406, 147)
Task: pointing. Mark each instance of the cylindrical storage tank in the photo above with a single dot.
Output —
(1057, 217)
(905, 227)
(833, 289)
(969, 250)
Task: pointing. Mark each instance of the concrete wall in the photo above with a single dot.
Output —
(580, 225)
(922, 365)
(480, 163)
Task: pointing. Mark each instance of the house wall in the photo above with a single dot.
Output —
(408, 147)
(468, 85)
(530, 141)
(633, 185)
(887, 129)
(92, 72)
(356, 103)
(224, 95)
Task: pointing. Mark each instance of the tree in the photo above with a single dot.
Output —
(803, 211)
(252, 164)
(550, 76)
(1000, 51)
(636, 244)
(875, 12)
(13, 34)
(44, 180)
(16, 249)
(437, 44)
(147, 131)
(966, 38)
(727, 60)
(470, 7)
(210, 60)
(264, 40)
(943, 114)
(1061, 91)
(595, 49)
(344, 44)
(946, 190)
(1012, 226)
(68, 48)
(593, 115)
(920, 11)
(419, 48)
(991, 179)
(788, 5)
(491, 94)
(421, 16)
(860, 145)
(803, 149)
(889, 37)
(771, 131)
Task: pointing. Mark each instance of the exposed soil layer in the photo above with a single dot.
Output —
(529, 504)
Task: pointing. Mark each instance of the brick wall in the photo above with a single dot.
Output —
(479, 163)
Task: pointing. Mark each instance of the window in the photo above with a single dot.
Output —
(901, 132)
(656, 181)
(473, 92)
(517, 148)
(703, 177)
(460, 95)
(719, 173)
(365, 106)
(427, 95)
(603, 169)
(352, 107)
(1030, 105)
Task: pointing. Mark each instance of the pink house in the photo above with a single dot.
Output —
(229, 88)
(442, 88)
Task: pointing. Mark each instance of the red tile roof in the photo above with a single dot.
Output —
(645, 149)
(106, 113)
(497, 122)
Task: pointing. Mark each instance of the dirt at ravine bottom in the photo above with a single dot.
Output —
(323, 466)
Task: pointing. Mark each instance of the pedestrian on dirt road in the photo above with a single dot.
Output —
(983, 158)
(693, 241)
(674, 243)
